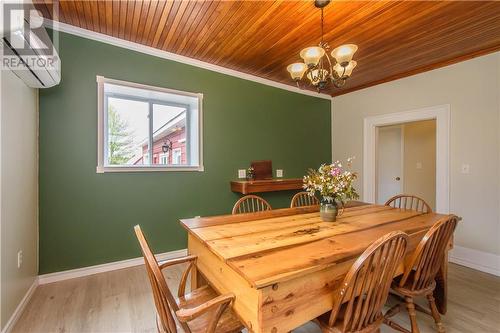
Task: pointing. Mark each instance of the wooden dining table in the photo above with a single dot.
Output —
(284, 266)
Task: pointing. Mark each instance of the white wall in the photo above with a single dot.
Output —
(19, 191)
(420, 148)
(472, 89)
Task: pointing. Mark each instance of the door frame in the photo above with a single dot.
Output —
(441, 113)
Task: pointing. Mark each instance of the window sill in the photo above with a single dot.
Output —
(113, 169)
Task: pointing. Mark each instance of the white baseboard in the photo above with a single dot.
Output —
(479, 260)
(79, 272)
(20, 308)
(84, 271)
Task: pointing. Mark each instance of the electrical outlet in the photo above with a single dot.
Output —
(465, 168)
(242, 173)
(279, 173)
(419, 165)
(19, 258)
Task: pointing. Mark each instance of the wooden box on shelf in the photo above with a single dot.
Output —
(262, 169)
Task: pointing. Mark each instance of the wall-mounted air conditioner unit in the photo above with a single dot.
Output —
(28, 51)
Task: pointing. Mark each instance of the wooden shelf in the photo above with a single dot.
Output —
(267, 185)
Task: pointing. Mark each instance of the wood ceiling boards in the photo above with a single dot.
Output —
(395, 39)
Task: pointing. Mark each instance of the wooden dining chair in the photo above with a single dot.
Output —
(407, 201)
(419, 278)
(358, 305)
(250, 204)
(302, 199)
(201, 310)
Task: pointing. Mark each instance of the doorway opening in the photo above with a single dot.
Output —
(441, 115)
(406, 161)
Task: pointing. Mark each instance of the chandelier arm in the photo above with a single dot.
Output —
(330, 63)
(320, 69)
(339, 83)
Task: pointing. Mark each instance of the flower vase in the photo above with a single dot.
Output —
(328, 211)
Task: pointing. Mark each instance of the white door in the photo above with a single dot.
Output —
(389, 162)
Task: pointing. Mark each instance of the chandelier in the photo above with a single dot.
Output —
(318, 67)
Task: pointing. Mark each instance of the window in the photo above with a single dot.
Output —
(164, 158)
(177, 156)
(141, 126)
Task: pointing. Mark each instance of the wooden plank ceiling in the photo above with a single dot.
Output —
(395, 39)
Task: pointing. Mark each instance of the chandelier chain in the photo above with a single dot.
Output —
(322, 22)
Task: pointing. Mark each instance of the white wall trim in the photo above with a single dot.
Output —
(101, 123)
(79, 272)
(85, 271)
(478, 260)
(442, 115)
(20, 307)
(475, 259)
(67, 28)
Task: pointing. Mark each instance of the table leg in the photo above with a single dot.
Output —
(197, 279)
(441, 291)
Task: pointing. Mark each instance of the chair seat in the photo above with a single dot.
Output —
(228, 322)
(406, 290)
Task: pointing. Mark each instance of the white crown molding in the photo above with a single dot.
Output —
(70, 29)
(475, 259)
(20, 307)
(85, 271)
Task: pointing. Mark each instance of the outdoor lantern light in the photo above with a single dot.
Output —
(167, 145)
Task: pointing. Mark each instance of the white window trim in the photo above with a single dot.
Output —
(101, 168)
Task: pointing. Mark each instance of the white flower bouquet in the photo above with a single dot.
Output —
(332, 183)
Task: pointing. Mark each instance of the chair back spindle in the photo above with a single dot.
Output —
(250, 204)
(427, 259)
(302, 199)
(406, 201)
(366, 286)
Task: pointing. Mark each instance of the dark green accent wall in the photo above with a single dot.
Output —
(87, 218)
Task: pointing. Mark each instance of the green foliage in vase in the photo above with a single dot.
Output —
(332, 182)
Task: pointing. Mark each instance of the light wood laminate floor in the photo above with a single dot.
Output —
(121, 301)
